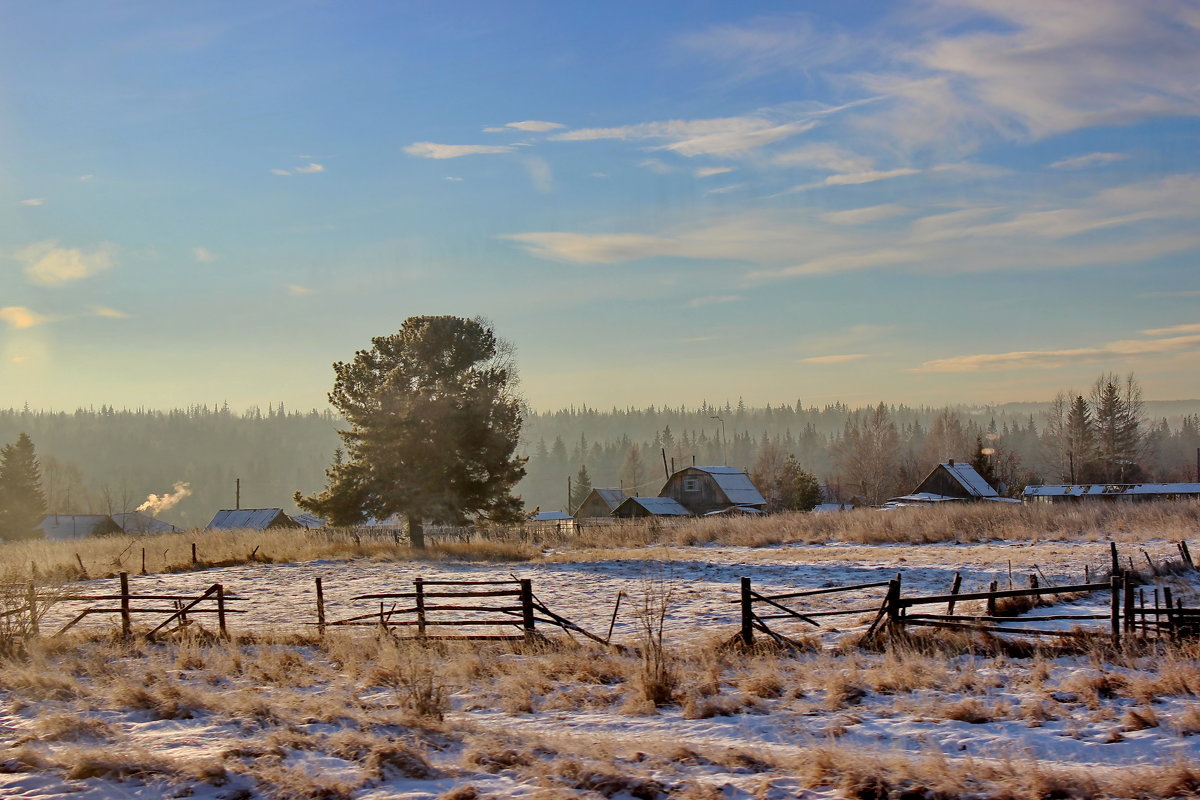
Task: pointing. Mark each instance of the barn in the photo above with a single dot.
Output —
(600, 503)
(951, 482)
(703, 490)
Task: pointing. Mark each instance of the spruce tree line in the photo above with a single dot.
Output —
(22, 502)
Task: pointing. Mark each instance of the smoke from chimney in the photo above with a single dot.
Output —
(157, 503)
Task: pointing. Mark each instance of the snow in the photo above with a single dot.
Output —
(704, 591)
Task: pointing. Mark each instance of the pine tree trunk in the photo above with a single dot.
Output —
(416, 532)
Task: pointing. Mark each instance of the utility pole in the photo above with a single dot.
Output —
(237, 498)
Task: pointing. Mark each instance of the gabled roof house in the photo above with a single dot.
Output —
(600, 503)
(258, 519)
(950, 482)
(703, 490)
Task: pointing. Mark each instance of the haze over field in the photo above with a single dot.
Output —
(925, 203)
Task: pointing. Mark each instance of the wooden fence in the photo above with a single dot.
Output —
(25, 611)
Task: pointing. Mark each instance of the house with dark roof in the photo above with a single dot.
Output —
(703, 490)
(951, 482)
(259, 519)
(600, 503)
(1128, 492)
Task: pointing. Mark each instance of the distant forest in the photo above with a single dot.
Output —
(107, 460)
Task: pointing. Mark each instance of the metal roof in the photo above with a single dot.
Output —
(310, 521)
(735, 510)
(137, 522)
(736, 485)
(550, 516)
(253, 518)
(1103, 490)
(659, 506)
(64, 527)
(611, 497)
(971, 480)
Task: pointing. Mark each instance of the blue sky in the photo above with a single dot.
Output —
(927, 202)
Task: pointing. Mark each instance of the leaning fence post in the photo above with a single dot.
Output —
(31, 598)
(126, 621)
(1114, 583)
(221, 609)
(320, 607)
(420, 592)
(747, 613)
(954, 587)
(527, 621)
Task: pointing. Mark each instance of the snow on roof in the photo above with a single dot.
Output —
(137, 522)
(611, 497)
(310, 521)
(971, 480)
(1102, 489)
(825, 508)
(735, 510)
(659, 506)
(64, 527)
(736, 485)
(254, 518)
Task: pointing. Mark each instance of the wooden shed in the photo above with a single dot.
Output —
(637, 507)
(252, 518)
(702, 490)
(600, 503)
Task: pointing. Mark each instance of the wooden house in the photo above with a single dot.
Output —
(951, 482)
(259, 519)
(64, 527)
(1127, 492)
(638, 507)
(600, 503)
(703, 490)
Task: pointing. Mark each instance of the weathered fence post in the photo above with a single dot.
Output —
(221, 610)
(1129, 610)
(1170, 612)
(747, 613)
(1116, 561)
(1114, 583)
(991, 601)
(1187, 555)
(527, 621)
(31, 598)
(419, 583)
(954, 587)
(320, 607)
(126, 620)
(194, 560)
(143, 561)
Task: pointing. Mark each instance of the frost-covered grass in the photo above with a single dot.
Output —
(366, 717)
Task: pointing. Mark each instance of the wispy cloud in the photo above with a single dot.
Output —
(34, 201)
(725, 136)
(863, 216)
(656, 165)
(452, 178)
(296, 290)
(50, 265)
(87, 178)
(435, 150)
(733, 187)
(310, 168)
(834, 359)
(529, 126)
(109, 313)
(708, 172)
(708, 301)
(1053, 359)
(20, 317)
(281, 172)
(1174, 329)
(1090, 160)
(204, 255)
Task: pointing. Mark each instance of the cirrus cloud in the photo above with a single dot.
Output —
(435, 150)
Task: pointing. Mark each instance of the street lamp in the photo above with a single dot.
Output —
(724, 452)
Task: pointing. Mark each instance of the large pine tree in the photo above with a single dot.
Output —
(22, 502)
(433, 428)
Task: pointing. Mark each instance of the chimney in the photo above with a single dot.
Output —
(952, 462)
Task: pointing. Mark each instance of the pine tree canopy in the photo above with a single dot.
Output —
(22, 503)
(433, 429)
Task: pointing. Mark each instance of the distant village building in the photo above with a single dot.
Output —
(547, 522)
(600, 503)
(704, 490)
(1126, 492)
(308, 521)
(259, 519)
(65, 527)
(638, 507)
(951, 482)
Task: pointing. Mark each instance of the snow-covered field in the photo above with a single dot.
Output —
(759, 726)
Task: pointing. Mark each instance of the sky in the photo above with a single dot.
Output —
(657, 203)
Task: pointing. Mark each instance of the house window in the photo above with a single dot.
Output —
(691, 484)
